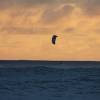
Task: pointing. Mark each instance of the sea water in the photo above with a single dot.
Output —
(49, 83)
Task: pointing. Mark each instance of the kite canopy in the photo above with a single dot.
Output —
(54, 39)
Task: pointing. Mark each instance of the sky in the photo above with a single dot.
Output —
(26, 28)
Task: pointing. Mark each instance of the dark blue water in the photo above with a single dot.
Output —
(43, 83)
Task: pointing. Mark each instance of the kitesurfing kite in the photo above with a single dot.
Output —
(54, 39)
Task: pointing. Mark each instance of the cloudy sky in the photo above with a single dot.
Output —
(26, 28)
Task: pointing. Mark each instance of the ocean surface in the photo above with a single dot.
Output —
(27, 80)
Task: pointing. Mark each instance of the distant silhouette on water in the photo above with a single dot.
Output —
(54, 39)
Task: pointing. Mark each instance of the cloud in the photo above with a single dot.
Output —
(37, 20)
(53, 15)
(30, 21)
(54, 9)
(69, 30)
(5, 4)
(89, 7)
(25, 30)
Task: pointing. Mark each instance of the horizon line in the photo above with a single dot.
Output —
(55, 60)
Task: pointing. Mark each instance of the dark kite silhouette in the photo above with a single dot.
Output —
(54, 39)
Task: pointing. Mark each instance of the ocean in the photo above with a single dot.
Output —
(47, 80)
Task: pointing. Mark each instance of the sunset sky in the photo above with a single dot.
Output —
(26, 28)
